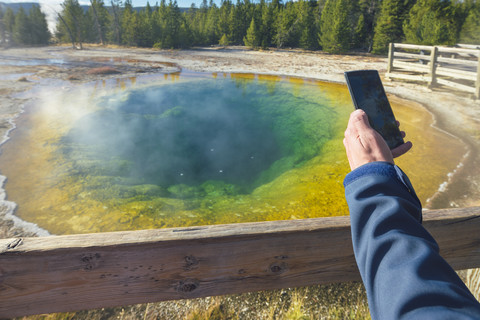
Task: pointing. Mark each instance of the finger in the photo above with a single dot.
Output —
(347, 150)
(359, 120)
(345, 144)
(403, 134)
(398, 123)
(401, 149)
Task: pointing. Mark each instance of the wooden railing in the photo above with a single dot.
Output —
(76, 272)
(457, 68)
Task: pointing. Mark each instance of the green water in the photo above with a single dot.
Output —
(190, 137)
(198, 150)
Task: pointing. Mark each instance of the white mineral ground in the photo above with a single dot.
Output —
(454, 112)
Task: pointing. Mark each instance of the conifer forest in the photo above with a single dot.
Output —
(334, 26)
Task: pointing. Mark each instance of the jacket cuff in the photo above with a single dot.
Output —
(373, 168)
(383, 169)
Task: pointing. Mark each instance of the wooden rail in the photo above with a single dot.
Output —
(457, 68)
(76, 272)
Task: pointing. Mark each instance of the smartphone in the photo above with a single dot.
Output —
(368, 94)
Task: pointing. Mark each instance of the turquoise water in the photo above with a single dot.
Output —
(198, 134)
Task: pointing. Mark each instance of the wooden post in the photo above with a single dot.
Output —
(391, 50)
(477, 83)
(433, 67)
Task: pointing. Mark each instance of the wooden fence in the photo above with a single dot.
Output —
(76, 272)
(457, 68)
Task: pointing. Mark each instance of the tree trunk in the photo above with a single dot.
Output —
(68, 30)
(79, 36)
(116, 23)
(99, 27)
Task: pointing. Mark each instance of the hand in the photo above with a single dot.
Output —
(363, 144)
(401, 149)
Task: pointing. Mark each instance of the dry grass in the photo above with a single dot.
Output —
(335, 301)
(473, 282)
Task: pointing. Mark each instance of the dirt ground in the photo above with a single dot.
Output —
(21, 68)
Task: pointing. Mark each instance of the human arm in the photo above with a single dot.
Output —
(402, 270)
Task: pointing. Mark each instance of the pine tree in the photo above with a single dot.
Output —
(432, 22)
(72, 22)
(38, 26)
(213, 24)
(115, 34)
(224, 40)
(9, 20)
(3, 31)
(90, 31)
(173, 26)
(360, 33)
(363, 18)
(101, 20)
(22, 28)
(389, 26)
(144, 34)
(184, 36)
(287, 27)
(251, 38)
(193, 18)
(308, 36)
(157, 24)
(240, 17)
(470, 32)
(223, 19)
(335, 26)
(129, 24)
(267, 28)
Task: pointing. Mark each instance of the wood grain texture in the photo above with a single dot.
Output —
(412, 46)
(457, 74)
(409, 77)
(456, 85)
(411, 66)
(457, 61)
(415, 56)
(75, 272)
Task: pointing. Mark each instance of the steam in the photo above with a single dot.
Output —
(50, 8)
(186, 133)
(97, 157)
(173, 134)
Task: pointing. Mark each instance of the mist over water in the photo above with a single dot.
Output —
(184, 133)
(196, 132)
(181, 151)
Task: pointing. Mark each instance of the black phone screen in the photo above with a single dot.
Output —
(368, 94)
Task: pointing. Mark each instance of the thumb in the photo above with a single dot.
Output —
(359, 120)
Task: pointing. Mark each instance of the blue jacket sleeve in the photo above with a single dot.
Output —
(399, 261)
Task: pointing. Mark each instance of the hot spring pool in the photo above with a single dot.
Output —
(195, 149)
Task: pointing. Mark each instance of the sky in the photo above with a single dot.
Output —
(136, 3)
(49, 7)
